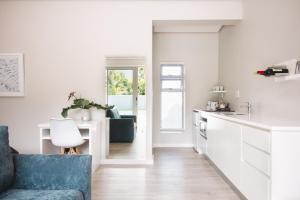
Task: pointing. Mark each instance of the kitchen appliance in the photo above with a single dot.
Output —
(196, 129)
(208, 107)
(222, 105)
(202, 143)
(202, 127)
(199, 132)
(214, 105)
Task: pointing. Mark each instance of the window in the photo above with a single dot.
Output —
(172, 97)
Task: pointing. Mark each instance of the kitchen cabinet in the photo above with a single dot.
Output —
(199, 132)
(202, 144)
(224, 147)
(254, 185)
(257, 138)
(262, 162)
(257, 159)
(256, 163)
(195, 137)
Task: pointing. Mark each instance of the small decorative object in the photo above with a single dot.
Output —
(11, 74)
(84, 105)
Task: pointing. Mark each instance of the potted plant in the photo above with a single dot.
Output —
(84, 105)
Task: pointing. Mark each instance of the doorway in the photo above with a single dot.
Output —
(125, 89)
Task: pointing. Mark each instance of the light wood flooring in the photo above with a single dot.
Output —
(134, 150)
(177, 174)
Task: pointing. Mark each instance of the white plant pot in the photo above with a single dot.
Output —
(85, 115)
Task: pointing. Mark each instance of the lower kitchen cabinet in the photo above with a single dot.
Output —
(255, 172)
(199, 141)
(254, 184)
(224, 147)
(195, 137)
(264, 164)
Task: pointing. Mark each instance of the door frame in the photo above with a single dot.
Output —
(134, 86)
(133, 62)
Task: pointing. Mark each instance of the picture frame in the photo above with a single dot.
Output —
(11, 75)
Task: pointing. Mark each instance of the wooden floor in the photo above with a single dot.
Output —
(134, 150)
(177, 174)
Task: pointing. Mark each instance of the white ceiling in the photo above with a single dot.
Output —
(167, 0)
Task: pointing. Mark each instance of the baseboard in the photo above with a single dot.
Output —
(126, 162)
(172, 145)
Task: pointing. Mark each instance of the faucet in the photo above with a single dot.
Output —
(248, 106)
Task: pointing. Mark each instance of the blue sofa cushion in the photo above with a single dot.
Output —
(113, 113)
(16, 194)
(53, 172)
(6, 161)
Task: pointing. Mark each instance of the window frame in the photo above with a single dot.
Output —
(180, 77)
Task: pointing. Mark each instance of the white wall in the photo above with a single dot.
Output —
(269, 33)
(199, 52)
(65, 44)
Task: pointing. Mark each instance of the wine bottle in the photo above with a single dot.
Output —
(271, 71)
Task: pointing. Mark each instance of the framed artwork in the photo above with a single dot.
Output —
(11, 74)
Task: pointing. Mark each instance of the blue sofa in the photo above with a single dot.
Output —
(121, 127)
(43, 177)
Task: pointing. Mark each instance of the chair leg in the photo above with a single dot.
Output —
(62, 150)
(71, 151)
(77, 150)
(74, 151)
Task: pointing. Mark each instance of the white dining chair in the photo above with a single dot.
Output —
(65, 134)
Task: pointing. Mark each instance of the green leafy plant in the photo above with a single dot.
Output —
(119, 84)
(82, 103)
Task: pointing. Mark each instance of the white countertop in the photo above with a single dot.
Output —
(271, 123)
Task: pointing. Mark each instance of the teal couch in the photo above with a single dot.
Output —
(43, 177)
(121, 127)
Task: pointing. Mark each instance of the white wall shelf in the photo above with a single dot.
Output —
(294, 77)
(218, 92)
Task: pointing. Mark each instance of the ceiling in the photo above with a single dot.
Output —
(191, 26)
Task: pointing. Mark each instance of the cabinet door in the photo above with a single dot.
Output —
(214, 150)
(202, 144)
(224, 147)
(194, 137)
(254, 184)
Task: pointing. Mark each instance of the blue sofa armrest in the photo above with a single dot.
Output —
(121, 130)
(53, 172)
